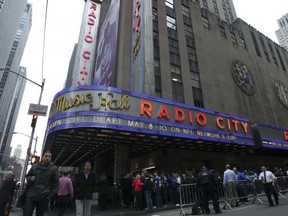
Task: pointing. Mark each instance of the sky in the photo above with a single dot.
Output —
(62, 31)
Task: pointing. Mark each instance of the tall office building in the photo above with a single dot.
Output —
(282, 32)
(222, 8)
(18, 151)
(11, 85)
(175, 87)
(11, 12)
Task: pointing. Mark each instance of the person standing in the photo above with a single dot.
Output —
(42, 183)
(85, 185)
(206, 184)
(7, 188)
(65, 193)
(230, 182)
(268, 179)
(137, 186)
(103, 186)
(148, 187)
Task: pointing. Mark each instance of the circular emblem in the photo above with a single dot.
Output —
(242, 77)
(281, 92)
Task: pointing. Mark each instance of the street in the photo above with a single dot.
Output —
(251, 209)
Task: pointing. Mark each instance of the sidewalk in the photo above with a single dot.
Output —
(109, 212)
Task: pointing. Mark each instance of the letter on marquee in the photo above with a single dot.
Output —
(163, 112)
(146, 107)
(286, 135)
(179, 114)
(219, 123)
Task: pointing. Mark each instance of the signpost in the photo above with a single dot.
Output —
(37, 109)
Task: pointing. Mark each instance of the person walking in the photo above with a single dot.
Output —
(206, 185)
(7, 188)
(65, 193)
(42, 183)
(268, 179)
(85, 185)
(148, 187)
(230, 182)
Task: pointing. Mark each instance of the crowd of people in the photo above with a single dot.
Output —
(138, 190)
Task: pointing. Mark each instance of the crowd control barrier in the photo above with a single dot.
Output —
(247, 192)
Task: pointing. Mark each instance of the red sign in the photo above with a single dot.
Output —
(286, 135)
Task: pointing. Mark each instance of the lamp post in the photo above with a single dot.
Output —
(33, 127)
(36, 139)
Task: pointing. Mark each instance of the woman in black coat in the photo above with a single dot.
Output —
(7, 188)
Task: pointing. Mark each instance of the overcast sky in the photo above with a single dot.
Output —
(63, 24)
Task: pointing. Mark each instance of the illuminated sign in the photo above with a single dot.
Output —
(86, 45)
(273, 136)
(136, 28)
(113, 108)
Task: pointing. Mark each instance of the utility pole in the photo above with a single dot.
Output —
(33, 126)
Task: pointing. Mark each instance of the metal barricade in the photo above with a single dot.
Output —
(282, 185)
(189, 193)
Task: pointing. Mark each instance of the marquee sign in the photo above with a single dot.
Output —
(273, 137)
(90, 106)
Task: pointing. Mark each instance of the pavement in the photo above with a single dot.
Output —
(257, 209)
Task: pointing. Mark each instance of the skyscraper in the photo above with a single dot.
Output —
(222, 8)
(11, 12)
(11, 85)
(282, 32)
(18, 151)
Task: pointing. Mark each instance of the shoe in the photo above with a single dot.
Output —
(218, 212)
(270, 205)
(246, 203)
(277, 203)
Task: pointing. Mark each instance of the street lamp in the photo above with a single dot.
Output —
(36, 139)
(33, 128)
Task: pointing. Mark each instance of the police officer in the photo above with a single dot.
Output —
(206, 183)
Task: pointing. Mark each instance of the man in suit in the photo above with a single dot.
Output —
(85, 184)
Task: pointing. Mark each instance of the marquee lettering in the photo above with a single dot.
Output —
(107, 102)
(146, 107)
(64, 103)
(286, 135)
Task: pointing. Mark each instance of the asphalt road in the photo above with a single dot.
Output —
(256, 209)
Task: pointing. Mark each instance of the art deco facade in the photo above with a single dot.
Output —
(187, 89)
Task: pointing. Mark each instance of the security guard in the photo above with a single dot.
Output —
(206, 183)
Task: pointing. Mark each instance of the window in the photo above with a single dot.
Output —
(171, 22)
(255, 42)
(264, 48)
(198, 97)
(185, 11)
(175, 69)
(204, 17)
(158, 86)
(192, 54)
(169, 3)
(188, 31)
(280, 58)
(174, 58)
(222, 29)
(193, 65)
(273, 54)
(177, 90)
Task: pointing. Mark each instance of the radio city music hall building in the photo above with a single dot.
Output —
(168, 85)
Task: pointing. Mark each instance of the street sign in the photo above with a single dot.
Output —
(37, 109)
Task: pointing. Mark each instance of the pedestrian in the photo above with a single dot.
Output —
(206, 183)
(65, 192)
(148, 187)
(157, 189)
(137, 186)
(85, 185)
(42, 183)
(230, 181)
(7, 188)
(103, 186)
(126, 184)
(268, 179)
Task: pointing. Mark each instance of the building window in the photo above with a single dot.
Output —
(188, 31)
(273, 54)
(222, 29)
(204, 17)
(177, 90)
(171, 22)
(175, 69)
(174, 58)
(264, 48)
(158, 85)
(169, 3)
(255, 42)
(280, 58)
(192, 54)
(193, 66)
(198, 97)
(185, 11)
